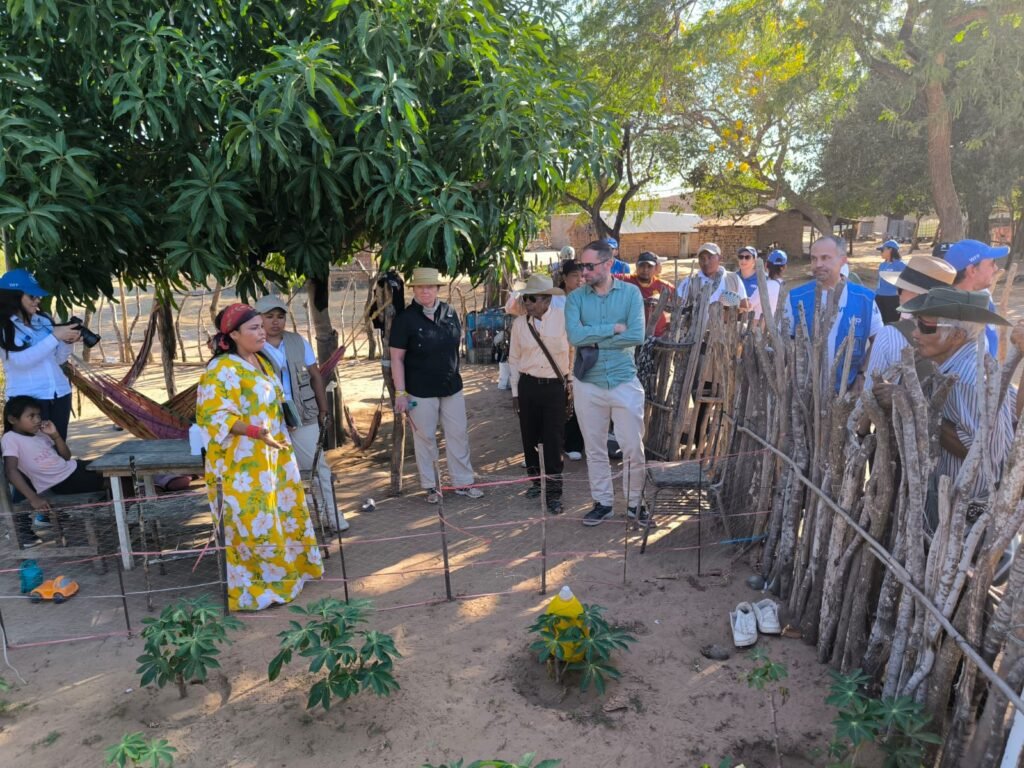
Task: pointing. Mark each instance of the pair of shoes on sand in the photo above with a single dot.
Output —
(750, 618)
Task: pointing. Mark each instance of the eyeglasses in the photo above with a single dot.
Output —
(929, 328)
(592, 266)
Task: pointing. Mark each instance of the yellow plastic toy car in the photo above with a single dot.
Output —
(57, 589)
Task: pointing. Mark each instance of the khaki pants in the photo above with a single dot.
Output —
(596, 408)
(451, 412)
(304, 442)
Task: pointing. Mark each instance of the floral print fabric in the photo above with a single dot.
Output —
(270, 546)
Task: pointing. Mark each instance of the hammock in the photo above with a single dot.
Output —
(138, 414)
(143, 355)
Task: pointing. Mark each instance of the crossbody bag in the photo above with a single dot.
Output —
(555, 368)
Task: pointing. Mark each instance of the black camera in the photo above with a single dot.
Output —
(89, 338)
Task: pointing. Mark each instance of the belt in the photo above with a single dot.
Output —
(540, 380)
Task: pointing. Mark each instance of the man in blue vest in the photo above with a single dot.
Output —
(857, 307)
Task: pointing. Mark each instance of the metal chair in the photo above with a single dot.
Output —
(687, 480)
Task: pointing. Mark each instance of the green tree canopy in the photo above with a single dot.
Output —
(177, 141)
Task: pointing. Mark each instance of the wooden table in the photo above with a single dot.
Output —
(152, 458)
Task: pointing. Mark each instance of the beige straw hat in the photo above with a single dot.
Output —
(425, 276)
(921, 274)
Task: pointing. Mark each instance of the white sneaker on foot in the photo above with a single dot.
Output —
(767, 614)
(744, 625)
(470, 491)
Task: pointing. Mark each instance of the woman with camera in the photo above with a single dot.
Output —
(34, 348)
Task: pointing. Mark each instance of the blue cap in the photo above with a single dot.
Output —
(612, 242)
(888, 244)
(748, 249)
(778, 258)
(961, 255)
(22, 280)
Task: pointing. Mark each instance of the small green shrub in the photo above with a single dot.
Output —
(596, 639)
(329, 640)
(135, 750)
(762, 677)
(897, 725)
(526, 762)
(182, 643)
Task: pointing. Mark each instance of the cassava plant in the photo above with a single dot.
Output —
(763, 677)
(182, 643)
(583, 645)
(354, 660)
(897, 725)
(135, 750)
(526, 762)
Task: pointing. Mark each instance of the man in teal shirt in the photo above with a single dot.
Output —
(606, 316)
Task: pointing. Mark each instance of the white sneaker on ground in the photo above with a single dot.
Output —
(767, 614)
(470, 491)
(574, 455)
(433, 496)
(744, 625)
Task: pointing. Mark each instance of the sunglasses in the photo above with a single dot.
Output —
(929, 328)
(745, 256)
(591, 267)
(532, 299)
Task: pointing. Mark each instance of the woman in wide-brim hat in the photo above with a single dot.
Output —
(425, 342)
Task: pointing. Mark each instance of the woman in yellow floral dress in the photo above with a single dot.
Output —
(271, 548)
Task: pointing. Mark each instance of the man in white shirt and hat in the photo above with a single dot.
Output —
(539, 363)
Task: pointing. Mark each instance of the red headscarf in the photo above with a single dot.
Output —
(230, 320)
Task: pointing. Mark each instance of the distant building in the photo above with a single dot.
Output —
(762, 229)
(670, 235)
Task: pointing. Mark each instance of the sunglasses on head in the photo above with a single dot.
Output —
(592, 266)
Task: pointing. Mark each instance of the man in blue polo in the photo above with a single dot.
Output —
(604, 319)
(976, 269)
(857, 307)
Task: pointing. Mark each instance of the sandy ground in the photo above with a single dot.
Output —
(469, 687)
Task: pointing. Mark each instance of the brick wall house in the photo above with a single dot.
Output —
(670, 235)
(758, 228)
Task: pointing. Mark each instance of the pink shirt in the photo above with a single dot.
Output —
(38, 459)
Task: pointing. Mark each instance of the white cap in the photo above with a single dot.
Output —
(565, 593)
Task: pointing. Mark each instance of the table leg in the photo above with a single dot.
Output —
(149, 486)
(124, 539)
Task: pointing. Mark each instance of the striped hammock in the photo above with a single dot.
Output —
(145, 418)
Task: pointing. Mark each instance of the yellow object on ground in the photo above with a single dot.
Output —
(566, 604)
(58, 589)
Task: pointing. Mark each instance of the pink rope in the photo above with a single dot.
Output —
(67, 640)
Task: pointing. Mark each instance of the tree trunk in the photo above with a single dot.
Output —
(940, 157)
(214, 302)
(978, 211)
(319, 300)
(165, 327)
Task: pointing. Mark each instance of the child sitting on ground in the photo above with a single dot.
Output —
(37, 460)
